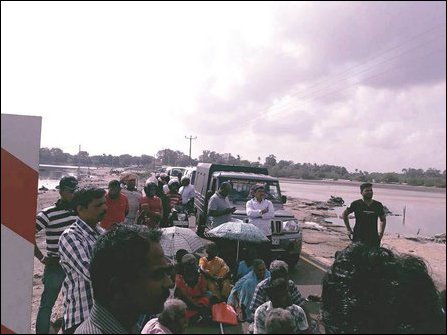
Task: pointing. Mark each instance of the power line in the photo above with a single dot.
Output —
(306, 93)
(374, 66)
(386, 71)
(373, 58)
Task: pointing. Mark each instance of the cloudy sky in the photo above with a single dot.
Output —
(360, 85)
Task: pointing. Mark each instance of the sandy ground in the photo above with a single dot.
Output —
(320, 239)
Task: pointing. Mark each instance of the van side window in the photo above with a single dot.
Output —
(213, 185)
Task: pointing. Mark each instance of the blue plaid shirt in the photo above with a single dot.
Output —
(260, 295)
(75, 249)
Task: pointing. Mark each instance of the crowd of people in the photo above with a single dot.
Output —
(104, 251)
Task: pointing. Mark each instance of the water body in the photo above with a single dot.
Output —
(49, 175)
(425, 208)
(70, 167)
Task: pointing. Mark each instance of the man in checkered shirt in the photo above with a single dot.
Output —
(75, 249)
(278, 269)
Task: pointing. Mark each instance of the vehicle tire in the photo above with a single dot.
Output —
(292, 260)
(200, 225)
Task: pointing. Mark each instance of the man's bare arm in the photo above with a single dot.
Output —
(345, 216)
(382, 226)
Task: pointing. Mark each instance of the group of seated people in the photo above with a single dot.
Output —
(366, 290)
(202, 282)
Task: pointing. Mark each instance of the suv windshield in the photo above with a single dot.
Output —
(242, 189)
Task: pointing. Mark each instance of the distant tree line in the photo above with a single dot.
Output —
(281, 168)
(57, 156)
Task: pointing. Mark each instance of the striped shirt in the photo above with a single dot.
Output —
(75, 249)
(54, 220)
(260, 295)
(174, 199)
(101, 321)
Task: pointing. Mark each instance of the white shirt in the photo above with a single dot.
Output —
(219, 203)
(187, 193)
(262, 221)
(134, 203)
(299, 318)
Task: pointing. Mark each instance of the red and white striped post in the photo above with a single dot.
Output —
(20, 172)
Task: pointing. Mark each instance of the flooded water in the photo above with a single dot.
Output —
(425, 211)
(49, 175)
(50, 179)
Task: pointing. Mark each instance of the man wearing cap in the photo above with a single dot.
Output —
(54, 220)
(260, 210)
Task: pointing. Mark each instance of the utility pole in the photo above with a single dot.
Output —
(79, 161)
(190, 138)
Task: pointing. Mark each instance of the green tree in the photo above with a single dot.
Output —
(270, 161)
(167, 156)
(83, 158)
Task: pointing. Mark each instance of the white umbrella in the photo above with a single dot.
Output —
(176, 238)
(238, 231)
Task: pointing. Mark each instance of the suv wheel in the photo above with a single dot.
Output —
(292, 260)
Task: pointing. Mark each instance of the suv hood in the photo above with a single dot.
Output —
(279, 213)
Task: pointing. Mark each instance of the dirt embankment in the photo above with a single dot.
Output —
(322, 239)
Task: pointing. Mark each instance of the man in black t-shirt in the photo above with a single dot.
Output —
(366, 211)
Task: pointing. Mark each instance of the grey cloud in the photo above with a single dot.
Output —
(341, 34)
(342, 104)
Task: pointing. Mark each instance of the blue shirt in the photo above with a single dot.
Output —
(243, 269)
(245, 288)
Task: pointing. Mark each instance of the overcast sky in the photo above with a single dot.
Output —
(360, 85)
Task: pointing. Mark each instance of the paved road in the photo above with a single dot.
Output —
(307, 275)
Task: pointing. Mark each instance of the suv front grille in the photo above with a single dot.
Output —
(276, 227)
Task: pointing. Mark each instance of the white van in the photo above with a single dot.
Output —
(191, 174)
(175, 172)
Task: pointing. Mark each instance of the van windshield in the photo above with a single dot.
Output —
(242, 189)
(175, 172)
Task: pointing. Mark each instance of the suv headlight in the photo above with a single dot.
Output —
(291, 226)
